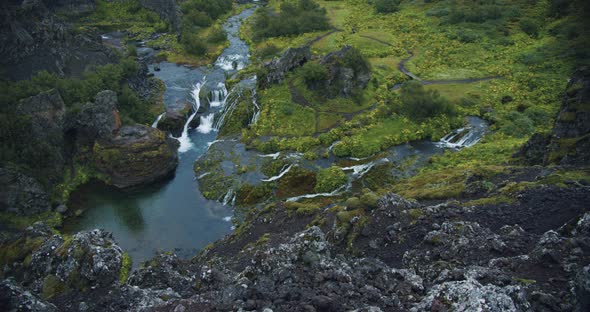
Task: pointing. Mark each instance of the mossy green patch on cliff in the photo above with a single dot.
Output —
(125, 268)
(330, 179)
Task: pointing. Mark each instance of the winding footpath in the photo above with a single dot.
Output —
(402, 68)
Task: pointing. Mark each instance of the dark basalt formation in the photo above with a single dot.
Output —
(33, 39)
(347, 72)
(136, 155)
(167, 9)
(21, 194)
(173, 122)
(47, 119)
(274, 71)
(569, 142)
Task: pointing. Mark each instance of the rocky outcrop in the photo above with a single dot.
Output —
(15, 298)
(21, 194)
(167, 9)
(47, 120)
(348, 72)
(274, 71)
(136, 155)
(173, 122)
(98, 120)
(569, 141)
(34, 39)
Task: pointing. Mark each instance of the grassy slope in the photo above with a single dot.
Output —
(532, 75)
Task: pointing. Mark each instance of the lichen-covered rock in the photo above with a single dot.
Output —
(21, 194)
(533, 151)
(87, 259)
(470, 295)
(15, 298)
(97, 120)
(165, 271)
(136, 155)
(274, 71)
(47, 111)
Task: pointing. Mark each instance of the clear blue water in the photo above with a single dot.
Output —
(172, 215)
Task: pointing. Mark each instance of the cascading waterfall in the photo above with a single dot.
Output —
(459, 138)
(280, 175)
(206, 124)
(218, 96)
(155, 124)
(227, 110)
(185, 141)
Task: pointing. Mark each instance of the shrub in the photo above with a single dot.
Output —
(517, 125)
(217, 35)
(386, 6)
(330, 179)
(313, 73)
(530, 27)
(419, 104)
(294, 18)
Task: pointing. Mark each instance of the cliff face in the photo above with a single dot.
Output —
(33, 39)
(569, 141)
(168, 10)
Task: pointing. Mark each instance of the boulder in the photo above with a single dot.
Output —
(173, 122)
(533, 151)
(21, 194)
(348, 71)
(274, 71)
(136, 155)
(98, 120)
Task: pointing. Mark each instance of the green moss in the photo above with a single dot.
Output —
(524, 281)
(301, 208)
(9, 220)
(330, 179)
(252, 194)
(52, 286)
(19, 250)
(125, 268)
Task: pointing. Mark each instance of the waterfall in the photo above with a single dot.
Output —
(206, 124)
(333, 193)
(218, 96)
(155, 124)
(227, 110)
(463, 137)
(256, 114)
(229, 197)
(185, 141)
(280, 175)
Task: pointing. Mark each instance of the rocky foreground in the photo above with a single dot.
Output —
(530, 256)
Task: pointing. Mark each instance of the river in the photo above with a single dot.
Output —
(172, 215)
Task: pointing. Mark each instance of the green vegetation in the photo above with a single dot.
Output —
(330, 179)
(128, 14)
(125, 268)
(294, 18)
(197, 16)
(420, 104)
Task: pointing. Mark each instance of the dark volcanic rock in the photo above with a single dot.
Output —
(21, 194)
(569, 143)
(347, 72)
(533, 151)
(136, 155)
(173, 122)
(47, 119)
(274, 71)
(97, 120)
(167, 9)
(15, 298)
(34, 39)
